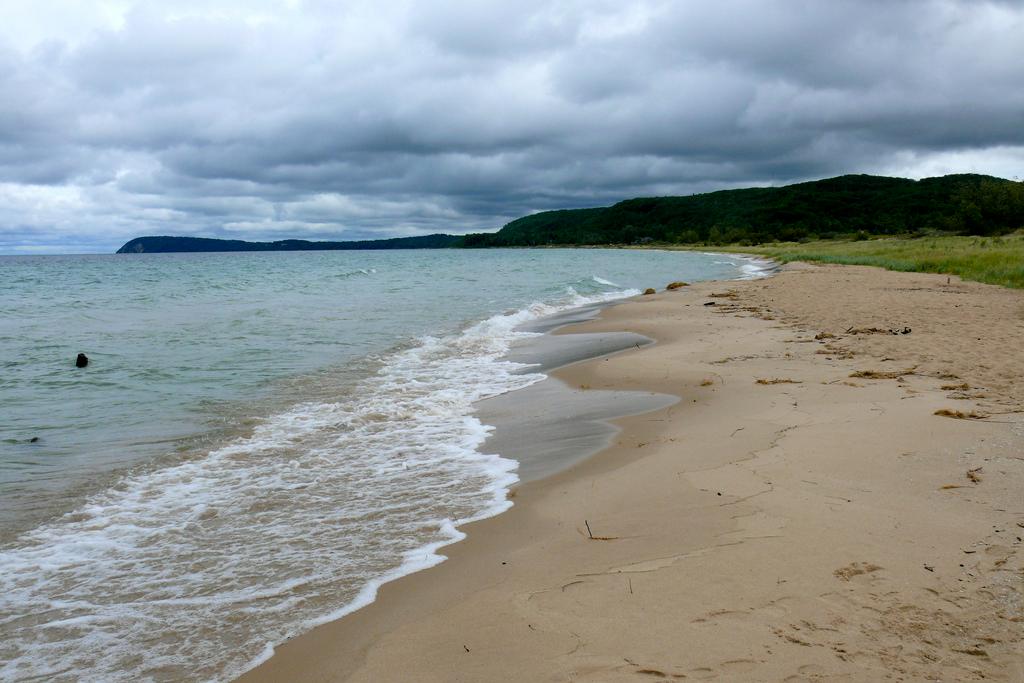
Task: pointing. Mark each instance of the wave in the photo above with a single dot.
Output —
(196, 569)
(750, 267)
(355, 273)
(602, 281)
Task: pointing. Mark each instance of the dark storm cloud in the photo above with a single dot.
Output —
(270, 119)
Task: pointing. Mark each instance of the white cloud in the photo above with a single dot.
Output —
(277, 118)
(1003, 161)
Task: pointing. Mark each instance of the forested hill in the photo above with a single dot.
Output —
(164, 244)
(847, 205)
(851, 205)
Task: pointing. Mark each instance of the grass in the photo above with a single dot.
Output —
(994, 260)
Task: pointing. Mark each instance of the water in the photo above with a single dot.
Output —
(259, 441)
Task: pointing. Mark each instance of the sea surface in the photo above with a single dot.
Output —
(259, 441)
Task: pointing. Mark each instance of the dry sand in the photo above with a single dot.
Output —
(822, 527)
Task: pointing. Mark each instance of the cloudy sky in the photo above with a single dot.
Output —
(317, 119)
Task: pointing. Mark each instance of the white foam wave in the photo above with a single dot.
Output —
(355, 273)
(602, 281)
(575, 300)
(191, 570)
(755, 268)
(750, 267)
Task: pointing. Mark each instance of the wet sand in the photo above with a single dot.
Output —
(801, 513)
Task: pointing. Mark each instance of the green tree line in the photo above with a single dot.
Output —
(851, 205)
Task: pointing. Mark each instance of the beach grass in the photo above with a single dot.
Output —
(994, 260)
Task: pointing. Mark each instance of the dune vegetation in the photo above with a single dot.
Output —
(997, 260)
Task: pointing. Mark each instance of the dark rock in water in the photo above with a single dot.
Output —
(81, 361)
(34, 439)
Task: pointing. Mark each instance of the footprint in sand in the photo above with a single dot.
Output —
(737, 666)
(810, 672)
(998, 551)
(721, 614)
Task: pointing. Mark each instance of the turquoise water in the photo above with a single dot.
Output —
(258, 441)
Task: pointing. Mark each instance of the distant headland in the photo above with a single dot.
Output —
(845, 206)
(168, 244)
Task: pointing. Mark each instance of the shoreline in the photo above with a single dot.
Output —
(712, 487)
(589, 432)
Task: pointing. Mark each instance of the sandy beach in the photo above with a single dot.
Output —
(802, 513)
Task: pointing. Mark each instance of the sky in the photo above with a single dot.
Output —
(314, 119)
